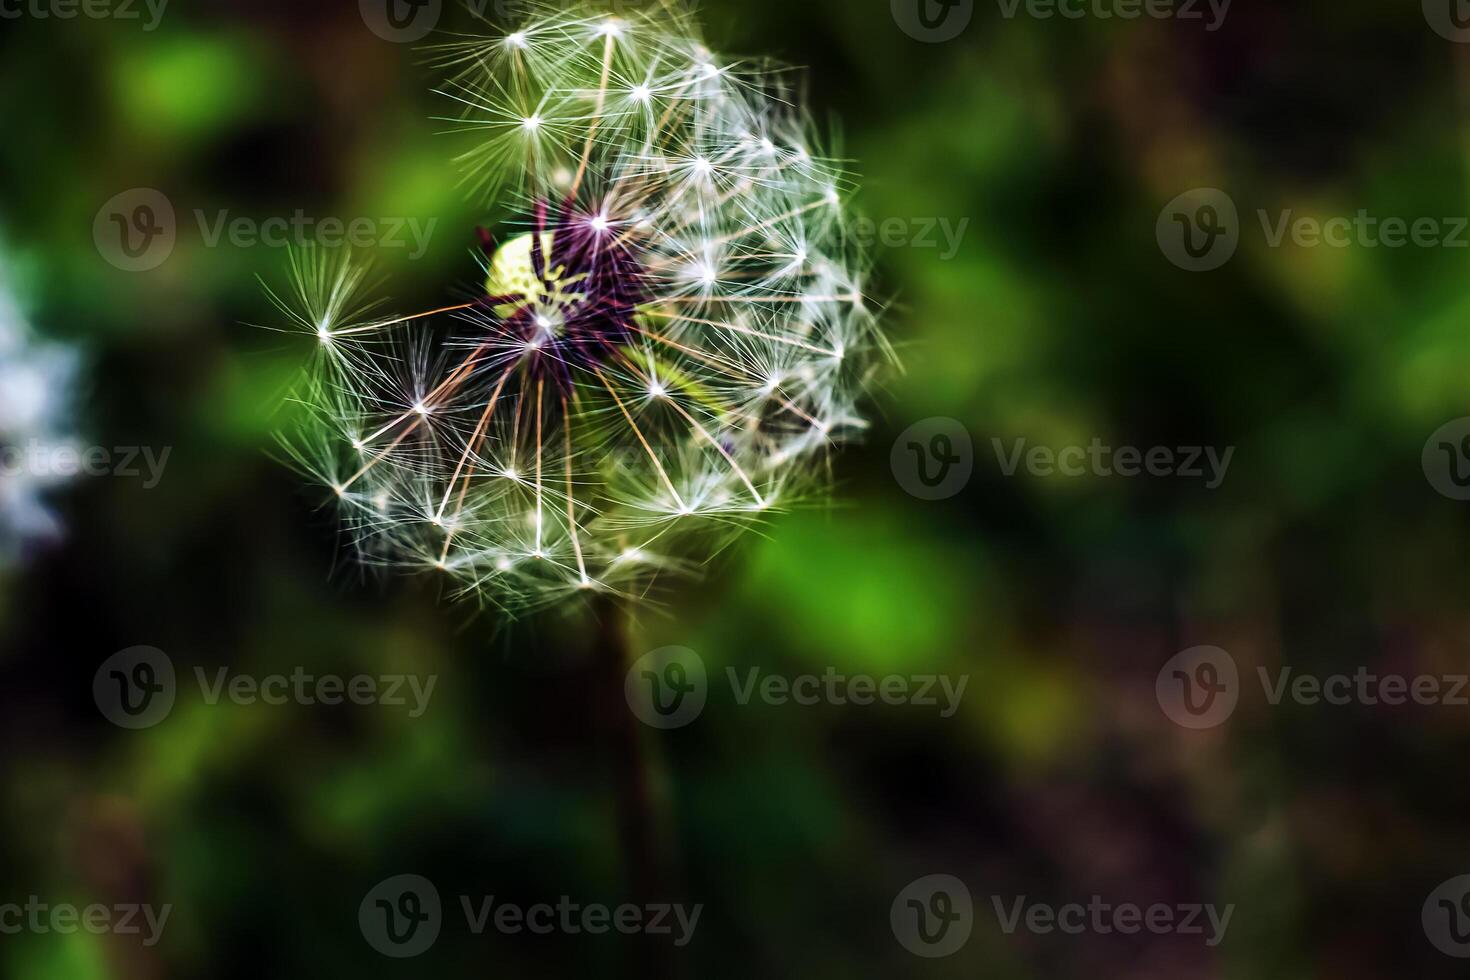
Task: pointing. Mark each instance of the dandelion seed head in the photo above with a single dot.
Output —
(667, 343)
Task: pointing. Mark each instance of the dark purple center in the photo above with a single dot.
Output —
(586, 290)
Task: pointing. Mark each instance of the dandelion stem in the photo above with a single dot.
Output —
(641, 818)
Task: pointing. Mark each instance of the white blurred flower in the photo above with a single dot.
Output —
(36, 382)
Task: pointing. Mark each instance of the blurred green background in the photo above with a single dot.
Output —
(1057, 320)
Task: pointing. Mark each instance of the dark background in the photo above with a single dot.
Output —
(1059, 320)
